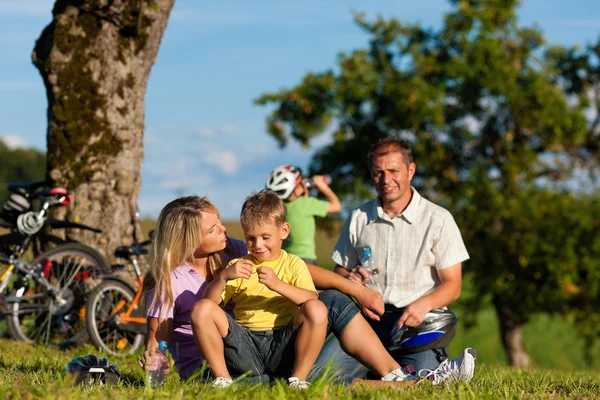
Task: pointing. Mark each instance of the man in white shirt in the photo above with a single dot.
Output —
(415, 244)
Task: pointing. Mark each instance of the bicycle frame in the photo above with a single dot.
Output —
(29, 272)
(126, 317)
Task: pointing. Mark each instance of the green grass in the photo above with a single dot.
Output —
(36, 372)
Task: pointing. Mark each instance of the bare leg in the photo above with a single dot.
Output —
(360, 341)
(311, 324)
(210, 326)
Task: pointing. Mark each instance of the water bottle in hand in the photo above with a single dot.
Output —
(367, 264)
(158, 365)
(309, 184)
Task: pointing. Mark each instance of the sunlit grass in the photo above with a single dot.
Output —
(34, 372)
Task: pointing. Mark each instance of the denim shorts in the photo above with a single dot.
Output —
(340, 310)
(269, 352)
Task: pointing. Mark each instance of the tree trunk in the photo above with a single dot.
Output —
(511, 332)
(95, 58)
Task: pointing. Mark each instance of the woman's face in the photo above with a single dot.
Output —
(213, 234)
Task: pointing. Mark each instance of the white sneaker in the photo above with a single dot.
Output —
(462, 368)
(297, 384)
(396, 376)
(221, 382)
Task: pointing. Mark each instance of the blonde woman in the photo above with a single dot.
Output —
(190, 248)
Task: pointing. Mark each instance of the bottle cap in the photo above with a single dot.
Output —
(162, 345)
(366, 251)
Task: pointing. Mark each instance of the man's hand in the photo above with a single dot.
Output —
(370, 302)
(241, 269)
(267, 277)
(359, 275)
(414, 314)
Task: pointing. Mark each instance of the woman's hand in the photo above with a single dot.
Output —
(144, 360)
(240, 269)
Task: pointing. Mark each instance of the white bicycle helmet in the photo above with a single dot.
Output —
(283, 180)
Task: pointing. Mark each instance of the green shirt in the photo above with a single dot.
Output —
(300, 214)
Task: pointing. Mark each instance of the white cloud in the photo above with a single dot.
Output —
(13, 142)
(210, 132)
(185, 183)
(150, 139)
(205, 132)
(226, 161)
(228, 129)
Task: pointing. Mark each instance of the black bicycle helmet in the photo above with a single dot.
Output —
(435, 332)
(94, 370)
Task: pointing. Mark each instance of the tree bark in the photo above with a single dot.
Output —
(511, 333)
(95, 59)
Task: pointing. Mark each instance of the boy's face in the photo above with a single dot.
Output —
(264, 241)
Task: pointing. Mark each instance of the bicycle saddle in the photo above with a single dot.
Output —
(29, 187)
(127, 251)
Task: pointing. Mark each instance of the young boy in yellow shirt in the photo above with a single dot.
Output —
(279, 325)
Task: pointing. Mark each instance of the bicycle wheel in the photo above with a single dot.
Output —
(36, 315)
(106, 302)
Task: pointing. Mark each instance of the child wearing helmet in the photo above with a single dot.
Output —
(288, 183)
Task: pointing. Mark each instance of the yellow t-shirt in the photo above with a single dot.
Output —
(257, 307)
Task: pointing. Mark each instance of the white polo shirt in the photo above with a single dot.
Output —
(409, 248)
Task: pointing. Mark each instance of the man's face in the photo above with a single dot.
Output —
(264, 241)
(392, 176)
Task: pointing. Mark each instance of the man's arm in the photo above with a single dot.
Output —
(447, 292)
(369, 300)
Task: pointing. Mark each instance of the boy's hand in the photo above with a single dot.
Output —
(370, 302)
(319, 182)
(240, 269)
(267, 277)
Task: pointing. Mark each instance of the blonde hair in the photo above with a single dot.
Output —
(262, 208)
(178, 234)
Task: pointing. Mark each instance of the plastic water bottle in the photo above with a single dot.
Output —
(310, 184)
(367, 264)
(158, 365)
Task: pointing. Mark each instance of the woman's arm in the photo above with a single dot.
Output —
(158, 329)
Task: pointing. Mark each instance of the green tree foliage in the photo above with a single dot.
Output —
(20, 165)
(495, 131)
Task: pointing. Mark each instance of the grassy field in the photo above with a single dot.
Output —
(34, 372)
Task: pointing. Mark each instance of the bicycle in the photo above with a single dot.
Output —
(27, 226)
(46, 301)
(114, 320)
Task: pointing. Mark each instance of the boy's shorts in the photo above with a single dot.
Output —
(269, 352)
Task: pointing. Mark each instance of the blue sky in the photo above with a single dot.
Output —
(203, 134)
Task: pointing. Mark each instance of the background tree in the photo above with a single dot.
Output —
(19, 165)
(95, 58)
(492, 129)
